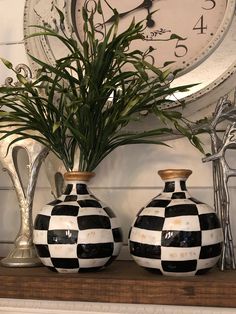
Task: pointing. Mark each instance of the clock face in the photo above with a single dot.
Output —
(204, 49)
(196, 26)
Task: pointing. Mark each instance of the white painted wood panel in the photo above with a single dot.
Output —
(8, 306)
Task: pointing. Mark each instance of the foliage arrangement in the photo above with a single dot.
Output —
(85, 100)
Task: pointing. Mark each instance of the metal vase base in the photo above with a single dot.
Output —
(23, 253)
(21, 257)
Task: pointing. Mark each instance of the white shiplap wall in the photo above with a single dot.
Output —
(125, 180)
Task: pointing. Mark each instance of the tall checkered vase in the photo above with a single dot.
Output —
(77, 232)
(175, 234)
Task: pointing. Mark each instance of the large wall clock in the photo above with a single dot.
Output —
(205, 49)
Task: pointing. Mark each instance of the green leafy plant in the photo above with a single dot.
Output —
(85, 101)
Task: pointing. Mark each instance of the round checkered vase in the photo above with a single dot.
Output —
(77, 232)
(175, 234)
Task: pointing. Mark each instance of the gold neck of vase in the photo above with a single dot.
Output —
(168, 174)
(78, 176)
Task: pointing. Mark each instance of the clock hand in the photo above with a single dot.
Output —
(146, 4)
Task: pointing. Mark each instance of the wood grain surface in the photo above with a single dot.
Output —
(121, 282)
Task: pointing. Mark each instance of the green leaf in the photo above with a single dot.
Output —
(183, 131)
(56, 125)
(197, 143)
(175, 36)
(4, 113)
(61, 15)
(167, 63)
(99, 7)
(7, 63)
(22, 79)
(173, 114)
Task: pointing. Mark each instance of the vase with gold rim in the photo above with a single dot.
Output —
(176, 234)
(77, 232)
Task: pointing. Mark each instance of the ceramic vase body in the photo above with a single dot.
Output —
(77, 232)
(175, 234)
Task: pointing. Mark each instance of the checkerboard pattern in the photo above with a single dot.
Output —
(176, 234)
(77, 232)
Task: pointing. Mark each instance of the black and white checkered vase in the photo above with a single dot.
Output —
(77, 232)
(176, 234)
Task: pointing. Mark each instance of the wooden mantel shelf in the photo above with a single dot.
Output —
(121, 282)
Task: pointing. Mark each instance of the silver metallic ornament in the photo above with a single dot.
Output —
(225, 112)
(23, 253)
